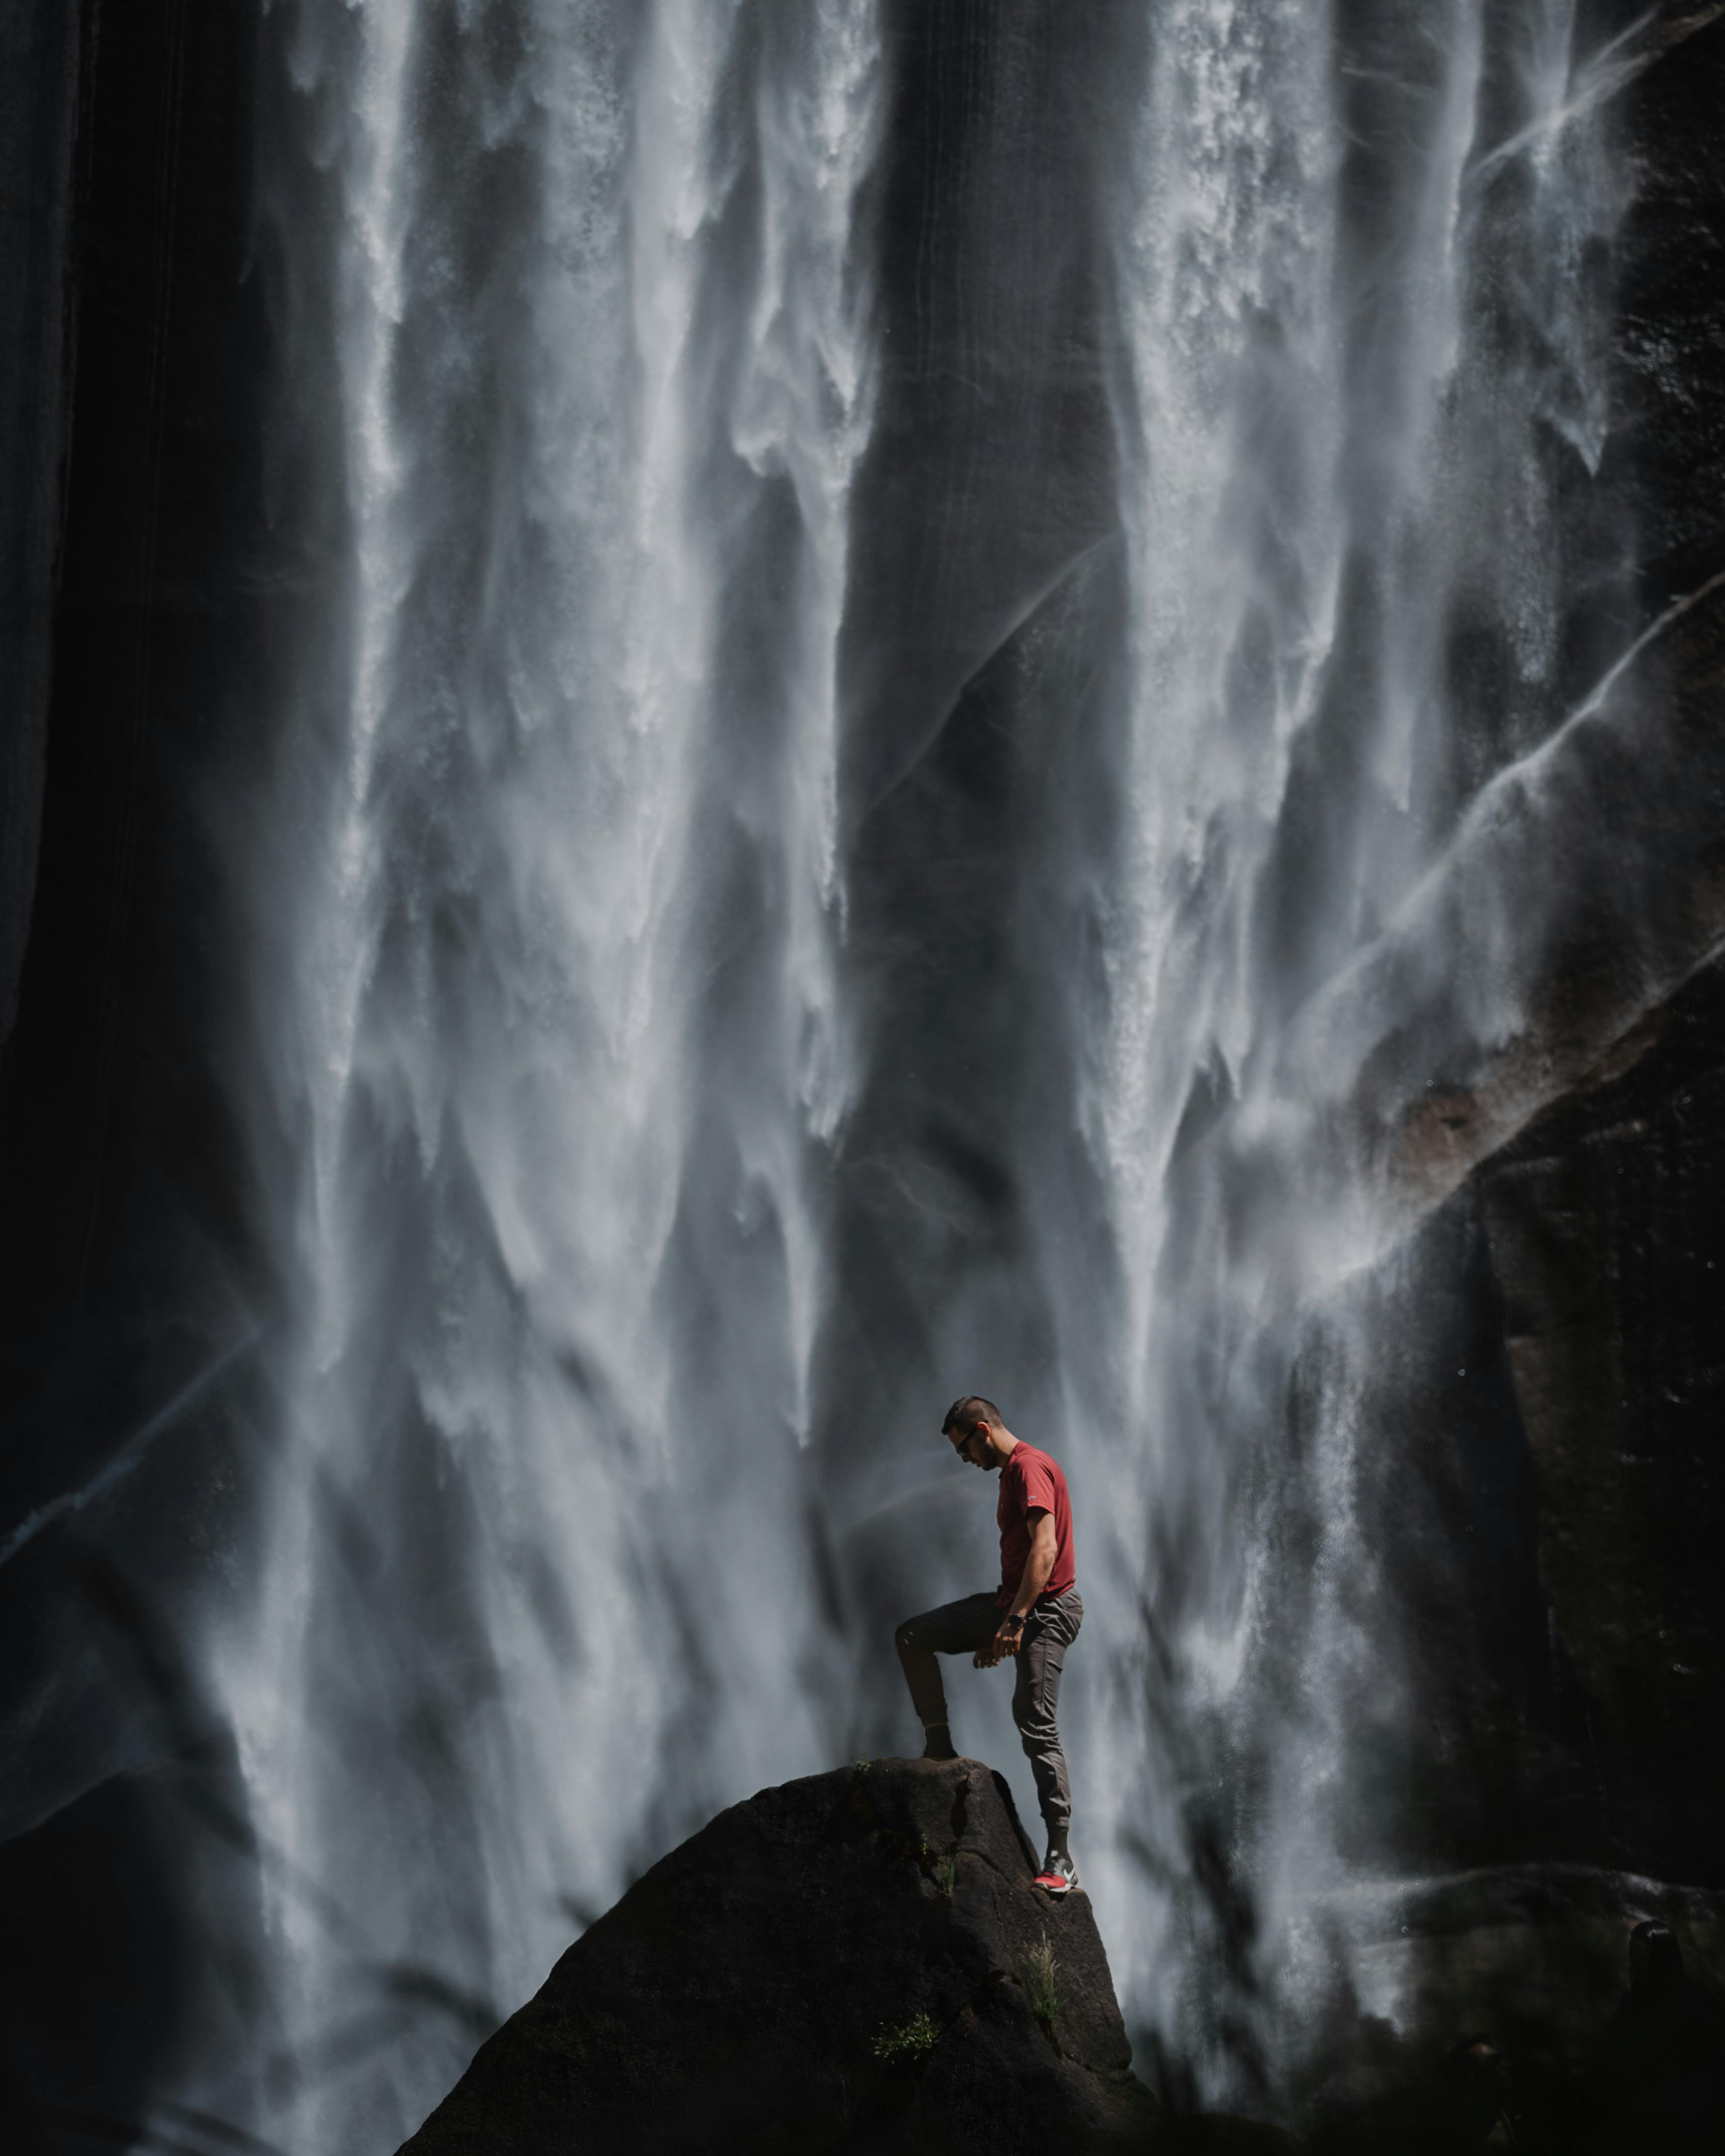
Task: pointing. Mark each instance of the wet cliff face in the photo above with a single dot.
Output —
(1542, 1473)
(1667, 460)
(1604, 1221)
(136, 467)
(1607, 1248)
(1587, 1253)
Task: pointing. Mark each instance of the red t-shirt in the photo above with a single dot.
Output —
(1031, 1479)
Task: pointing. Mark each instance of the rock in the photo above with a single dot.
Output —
(1218, 2133)
(1560, 2060)
(1665, 460)
(1585, 887)
(1607, 1245)
(848, 1962)
(1534, 1954)
(1662, 2054)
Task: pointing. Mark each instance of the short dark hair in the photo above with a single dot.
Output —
(966, 1411)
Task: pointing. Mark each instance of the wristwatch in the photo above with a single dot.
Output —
(1013, 1618)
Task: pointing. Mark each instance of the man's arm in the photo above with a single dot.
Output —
(1038, 1566)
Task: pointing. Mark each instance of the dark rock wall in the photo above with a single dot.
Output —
(1546, 1440)
(990, 471)
(40, 76)
(135, 579)
(1667, 456)
(1606, 1229)
(1598, 1249)
(113, 1108)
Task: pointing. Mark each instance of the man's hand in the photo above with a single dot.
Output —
(1038, 1566)
(1006, 1641)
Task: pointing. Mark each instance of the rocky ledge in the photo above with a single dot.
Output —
(858, 1961)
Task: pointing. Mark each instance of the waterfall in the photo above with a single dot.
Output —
(1362, 292)
(595, 1104)
(550, 1021)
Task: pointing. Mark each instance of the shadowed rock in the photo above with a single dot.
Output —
(1586, 886)
(1663, 2053)
(855, 1961)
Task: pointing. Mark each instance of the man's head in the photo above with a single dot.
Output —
(975, 1430)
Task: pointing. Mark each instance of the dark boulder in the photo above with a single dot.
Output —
(856, 1961)
(1662, 2054)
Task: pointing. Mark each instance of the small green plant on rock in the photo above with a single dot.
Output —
(908, 2044)
(948, 1876)
(1035, 1970)
(861, 1766)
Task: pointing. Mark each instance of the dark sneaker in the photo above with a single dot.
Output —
(1059, 1874)
(939, 1742)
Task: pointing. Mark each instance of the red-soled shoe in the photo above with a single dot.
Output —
(1059, 1874)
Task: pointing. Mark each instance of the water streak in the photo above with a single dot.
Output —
(1349, 349)
(553, 1033)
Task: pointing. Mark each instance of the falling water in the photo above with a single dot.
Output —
(1363, 359)
(552, 1032)
(569, 1044)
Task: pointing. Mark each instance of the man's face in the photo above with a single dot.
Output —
(973, 1448)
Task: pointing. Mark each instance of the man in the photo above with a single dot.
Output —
(1034, 1614)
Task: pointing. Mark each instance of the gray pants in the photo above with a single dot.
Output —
(960, 1628)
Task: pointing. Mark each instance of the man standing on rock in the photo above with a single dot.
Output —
(1034, 1613)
